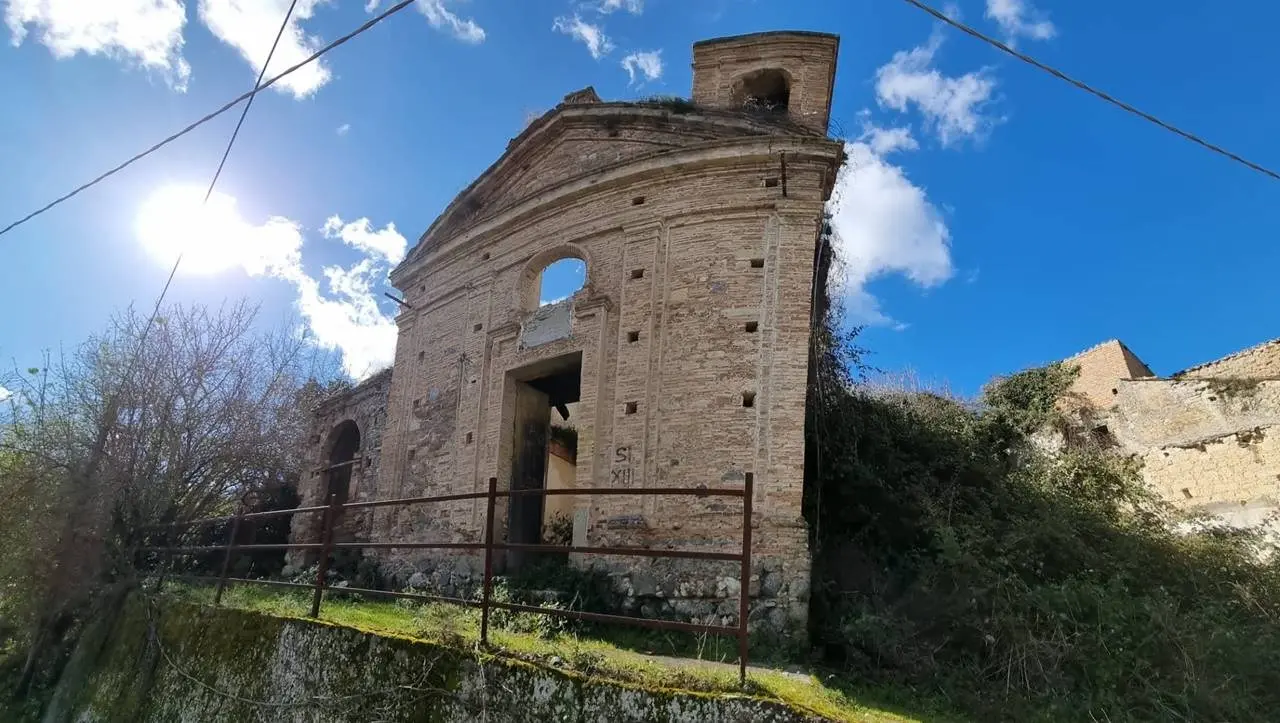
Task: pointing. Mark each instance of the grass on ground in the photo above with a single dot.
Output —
(459, 627)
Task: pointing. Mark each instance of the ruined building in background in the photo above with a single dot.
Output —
(1208, 437)
(682, 361)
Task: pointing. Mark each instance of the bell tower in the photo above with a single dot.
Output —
(787, 73)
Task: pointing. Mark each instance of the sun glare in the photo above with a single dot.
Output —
(175, 220)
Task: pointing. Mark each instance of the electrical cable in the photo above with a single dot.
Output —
(226, 107)
(1094, 91)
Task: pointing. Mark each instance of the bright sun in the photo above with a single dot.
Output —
(175, 220)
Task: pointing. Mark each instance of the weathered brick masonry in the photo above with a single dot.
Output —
(1208, 437)
(686, 350)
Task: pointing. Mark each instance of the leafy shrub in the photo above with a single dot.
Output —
(952, 556)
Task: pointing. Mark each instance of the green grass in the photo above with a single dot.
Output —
(460, 628)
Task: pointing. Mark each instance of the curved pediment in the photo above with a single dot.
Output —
(576, 140)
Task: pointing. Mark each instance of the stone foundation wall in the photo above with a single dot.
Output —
(232, 665)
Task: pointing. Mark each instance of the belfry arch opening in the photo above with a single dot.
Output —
(344, 451)
(764, 90)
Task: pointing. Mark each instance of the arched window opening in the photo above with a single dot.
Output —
(344, 450)
(764, 90)
(561, 279)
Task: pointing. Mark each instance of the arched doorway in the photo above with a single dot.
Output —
(343, 453)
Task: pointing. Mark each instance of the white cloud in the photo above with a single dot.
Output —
(250, 26)
(350, 319)
(343, 313)
(371, 5)
(441, 18)
(5, 394)
(883, 224)
(1017, 18)
(953, 106)
(147, 33)
(604, 7)
(598, 44)
(344, 129)
(884, 141)
(386, 244)
(648, 62)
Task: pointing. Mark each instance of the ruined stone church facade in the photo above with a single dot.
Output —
(682, 361)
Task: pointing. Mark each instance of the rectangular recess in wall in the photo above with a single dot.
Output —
(751, 327)
(633, 337)
(422, 355)
(416, 402)
(748, 399)
(632, 407)
(771, 182)
(637, 201)
(637, 273)
(757, 263)
(468, 438)
(484, 256)
(412, 453)
(477, 327)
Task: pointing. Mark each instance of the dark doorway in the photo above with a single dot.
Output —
(346, 446)
(541, 393)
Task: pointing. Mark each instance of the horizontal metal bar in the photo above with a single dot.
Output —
(340, 465)
(622, 619)
(405, 595)
(629, 551)
(277, 513)
(330, 588)
(213, 548)
(411, 545)
(417, 500)
(274, 583)
(249, 516)
(588, 491)
(688, 491)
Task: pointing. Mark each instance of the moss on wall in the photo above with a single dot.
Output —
(182, 662)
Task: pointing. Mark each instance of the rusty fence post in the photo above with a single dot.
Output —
(488, 561)
(326, 547)
(744, 590)
(166, 561)
(226, 559)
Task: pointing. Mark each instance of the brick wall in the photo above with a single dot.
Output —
(691, 332)
(1101, 369)
(1259, 362)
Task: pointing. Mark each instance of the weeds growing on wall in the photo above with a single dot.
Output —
(954, 558)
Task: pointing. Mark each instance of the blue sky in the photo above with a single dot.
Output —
(993, 218)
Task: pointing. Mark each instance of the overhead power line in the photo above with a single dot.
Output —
(1093, 91)
(110, 409)
(228, 106)
(231, 142)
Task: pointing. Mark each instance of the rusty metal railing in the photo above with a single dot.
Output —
(486, 603)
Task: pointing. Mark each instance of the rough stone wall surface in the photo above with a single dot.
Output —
(1258, 362)
(1168, 412)
(1220, 475)
(366, 405)
(1101, 369)
(1208, 445)
(691, 333)
(253, 667)
(1207, 438)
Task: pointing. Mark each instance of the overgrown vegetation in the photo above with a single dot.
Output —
(567, 650)
(142, 424)
(953, 557)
